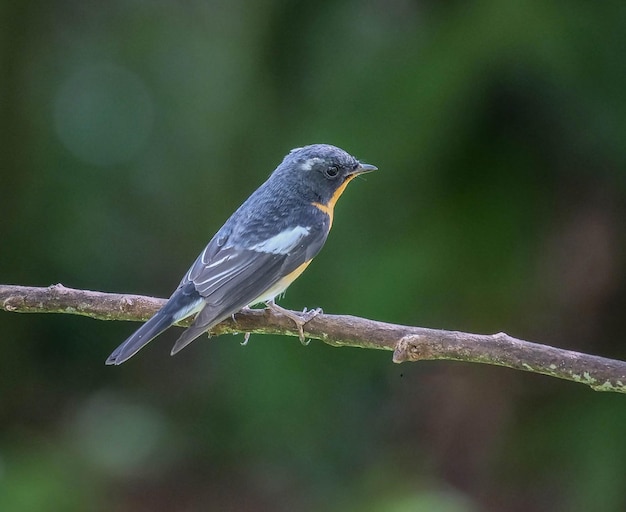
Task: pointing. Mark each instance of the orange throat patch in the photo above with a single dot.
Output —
(329, 207)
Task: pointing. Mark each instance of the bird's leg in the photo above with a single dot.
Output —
(299, 319)
(246, 335)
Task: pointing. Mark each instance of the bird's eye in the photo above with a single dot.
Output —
(331, 172)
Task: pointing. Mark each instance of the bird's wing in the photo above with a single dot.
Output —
(230, 278)
(228, 275)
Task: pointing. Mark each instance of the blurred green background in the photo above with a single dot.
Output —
(132, 129)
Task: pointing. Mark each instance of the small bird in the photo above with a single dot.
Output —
(260, 250)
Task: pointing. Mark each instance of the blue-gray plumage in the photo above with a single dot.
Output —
(260, 250)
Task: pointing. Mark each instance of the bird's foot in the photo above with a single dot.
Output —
(300, 319)
(246, 335)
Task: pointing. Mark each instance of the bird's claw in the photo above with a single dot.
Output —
(246, 338)
(299, 319)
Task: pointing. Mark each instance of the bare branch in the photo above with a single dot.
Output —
(407, 343)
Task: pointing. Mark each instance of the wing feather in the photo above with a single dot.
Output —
(230, 278)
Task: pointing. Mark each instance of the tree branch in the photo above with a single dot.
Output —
(407, 343)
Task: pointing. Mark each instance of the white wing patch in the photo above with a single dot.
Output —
(284, 242)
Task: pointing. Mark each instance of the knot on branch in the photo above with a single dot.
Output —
(411, 348)
(12, 304)
(59, 289)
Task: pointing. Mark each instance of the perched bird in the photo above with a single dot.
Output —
(260, 250)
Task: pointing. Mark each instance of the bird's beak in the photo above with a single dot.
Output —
(363, 168)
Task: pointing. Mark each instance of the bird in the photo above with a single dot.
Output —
(260, 250)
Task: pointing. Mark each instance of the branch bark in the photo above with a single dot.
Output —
(407, 343)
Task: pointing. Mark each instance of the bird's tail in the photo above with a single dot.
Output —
(205, 319)
(141, 337)
(181, 305)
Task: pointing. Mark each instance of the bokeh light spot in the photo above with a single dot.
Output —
(117, 436)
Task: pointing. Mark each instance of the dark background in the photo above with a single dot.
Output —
(132, 129)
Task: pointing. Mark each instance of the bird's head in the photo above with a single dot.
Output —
(323, 169)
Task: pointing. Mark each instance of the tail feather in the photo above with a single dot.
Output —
(206, 319)
(141, 337)
(190, 334)
(186, 301)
